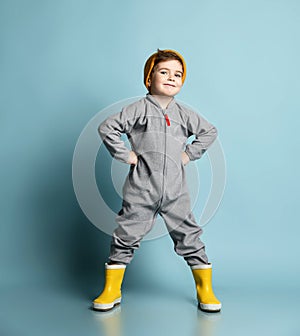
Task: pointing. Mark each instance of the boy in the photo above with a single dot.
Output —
(157, 127)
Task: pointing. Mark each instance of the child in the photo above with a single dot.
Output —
(157, 127)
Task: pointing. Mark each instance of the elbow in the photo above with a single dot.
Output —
(215, 132)
(102, 130)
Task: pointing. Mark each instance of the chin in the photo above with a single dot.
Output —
(170, 93)
(167, 94)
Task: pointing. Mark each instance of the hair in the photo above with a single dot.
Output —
(163, 56)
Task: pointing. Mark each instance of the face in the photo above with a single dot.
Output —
(166, 79)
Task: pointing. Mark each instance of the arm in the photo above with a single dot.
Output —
(205, 134)
(111, 130)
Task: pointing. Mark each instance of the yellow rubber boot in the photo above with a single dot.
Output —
(206, 297)
(111, 295)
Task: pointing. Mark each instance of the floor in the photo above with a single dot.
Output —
(43, 311)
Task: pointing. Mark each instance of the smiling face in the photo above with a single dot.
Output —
(166, 79)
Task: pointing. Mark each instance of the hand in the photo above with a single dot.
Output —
(185, 158)
(133, 159)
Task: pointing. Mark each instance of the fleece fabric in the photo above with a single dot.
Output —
(157, 184)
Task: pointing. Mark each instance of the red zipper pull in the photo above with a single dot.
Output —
(167, 120)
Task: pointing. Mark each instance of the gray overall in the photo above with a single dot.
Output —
(157, 184)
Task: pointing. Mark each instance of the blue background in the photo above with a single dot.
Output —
(63, 61)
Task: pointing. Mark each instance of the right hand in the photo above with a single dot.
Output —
(185, 158)
(133, 159)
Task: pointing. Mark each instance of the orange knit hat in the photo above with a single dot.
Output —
(150, 64)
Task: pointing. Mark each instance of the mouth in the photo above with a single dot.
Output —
(171, 85)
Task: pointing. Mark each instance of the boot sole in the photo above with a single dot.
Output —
(106, 306)
(210, 308)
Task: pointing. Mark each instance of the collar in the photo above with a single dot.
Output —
(155, 102)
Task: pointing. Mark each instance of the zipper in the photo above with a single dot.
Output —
(167, 120)
(165, 152)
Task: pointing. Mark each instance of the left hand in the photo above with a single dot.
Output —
(133, 159)
(185, 158)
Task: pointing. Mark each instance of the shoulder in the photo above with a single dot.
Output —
(185, 107)
(136, 104)
(135, 109)
(185, 110)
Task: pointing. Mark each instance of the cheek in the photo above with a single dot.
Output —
(158, 81)
(179, 83)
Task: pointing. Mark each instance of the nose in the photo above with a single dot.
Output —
(171, 77)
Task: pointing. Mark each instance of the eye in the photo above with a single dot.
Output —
(163, 72)
(178, 75)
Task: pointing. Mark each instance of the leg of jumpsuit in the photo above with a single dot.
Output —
(184, 230)
(134, 222)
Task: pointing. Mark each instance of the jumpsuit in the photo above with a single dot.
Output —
(157, 183)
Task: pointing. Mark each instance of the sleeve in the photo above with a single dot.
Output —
(205, 134)
(110, 131)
